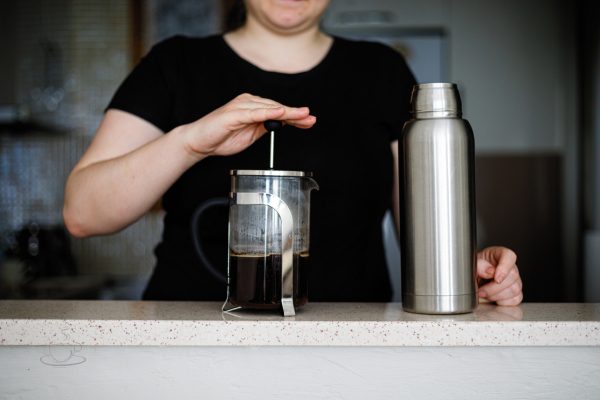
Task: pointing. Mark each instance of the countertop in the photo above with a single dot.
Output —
(148, 323)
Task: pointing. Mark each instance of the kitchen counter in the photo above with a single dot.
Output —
(120, 323)
(184, 350)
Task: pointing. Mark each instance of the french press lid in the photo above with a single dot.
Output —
(269, 172)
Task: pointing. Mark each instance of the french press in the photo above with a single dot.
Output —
(269, 216)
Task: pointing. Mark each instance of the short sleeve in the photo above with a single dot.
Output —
(148, 91)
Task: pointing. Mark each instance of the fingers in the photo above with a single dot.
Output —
(303, 123)
(506, 262)
(513, 301)
(485, 269)
(254, 109)
(510, 288)
(297, 117)
(502, 258)
(238, 124)
(499, 263)
(257, 115)
(247, 98)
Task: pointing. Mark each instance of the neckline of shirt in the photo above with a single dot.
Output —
(275, 74)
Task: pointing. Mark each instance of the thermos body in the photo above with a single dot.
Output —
(438, 238)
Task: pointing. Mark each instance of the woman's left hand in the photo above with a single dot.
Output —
(499, 276)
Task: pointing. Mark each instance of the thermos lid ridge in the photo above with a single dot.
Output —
(435, 100)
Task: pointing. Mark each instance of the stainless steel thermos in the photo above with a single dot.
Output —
(437, 204)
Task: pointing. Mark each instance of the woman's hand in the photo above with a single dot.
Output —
(131, 163)
(239, 123)
(499, 277)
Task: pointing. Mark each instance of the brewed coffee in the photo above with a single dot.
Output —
(255, 280)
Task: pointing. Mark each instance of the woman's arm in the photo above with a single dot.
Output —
(128, 166)
(130, 163)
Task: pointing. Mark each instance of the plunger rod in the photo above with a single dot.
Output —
(272, 126)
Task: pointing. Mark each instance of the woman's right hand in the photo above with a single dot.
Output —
(235, 126)
(131, 163)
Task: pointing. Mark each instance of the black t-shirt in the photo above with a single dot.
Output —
(360, 94)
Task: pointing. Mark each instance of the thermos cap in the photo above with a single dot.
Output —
(435, 100)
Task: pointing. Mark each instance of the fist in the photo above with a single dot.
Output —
(498, 276)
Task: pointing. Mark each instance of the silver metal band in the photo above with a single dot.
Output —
(440, 304)
(268, 172)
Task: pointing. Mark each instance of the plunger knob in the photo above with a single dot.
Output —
(273, 125)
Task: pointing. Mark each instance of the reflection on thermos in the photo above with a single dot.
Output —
(437, 204)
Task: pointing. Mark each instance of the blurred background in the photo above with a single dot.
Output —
(528, 72)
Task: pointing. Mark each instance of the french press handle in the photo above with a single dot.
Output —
(210, 203)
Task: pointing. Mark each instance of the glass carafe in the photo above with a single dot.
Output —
(269, 222)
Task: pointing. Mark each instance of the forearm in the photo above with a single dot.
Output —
(106, 196)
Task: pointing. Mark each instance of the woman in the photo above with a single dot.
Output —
(185, 117)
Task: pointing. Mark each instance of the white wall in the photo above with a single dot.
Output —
(508, 57)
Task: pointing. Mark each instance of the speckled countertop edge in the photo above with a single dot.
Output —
(200, 324)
